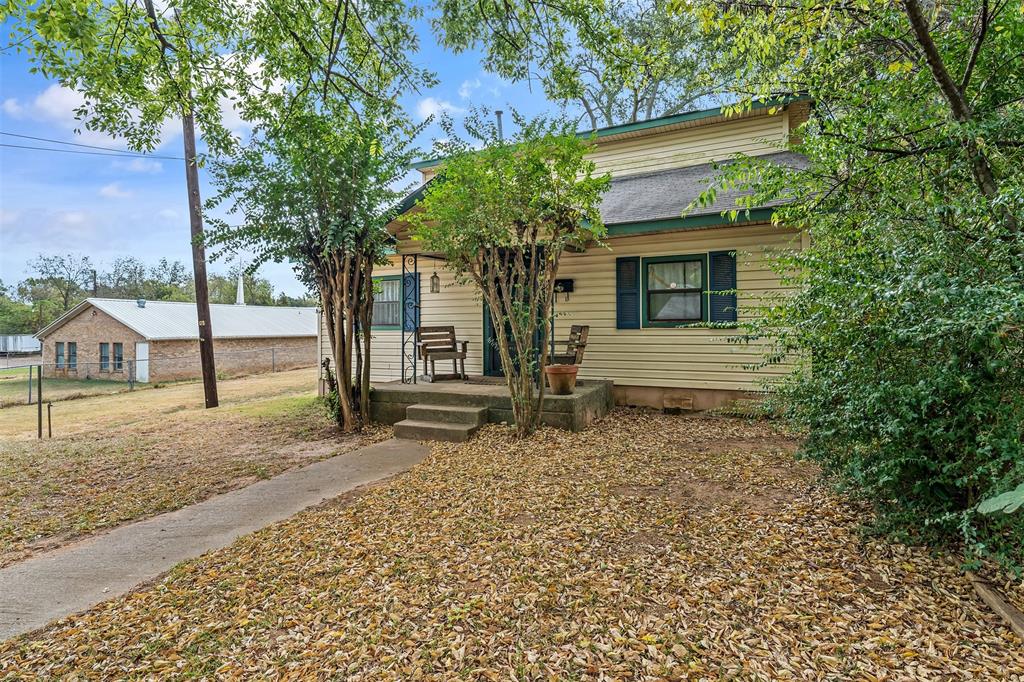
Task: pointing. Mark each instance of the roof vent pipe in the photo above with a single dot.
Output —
(141, 302)
(501, 134)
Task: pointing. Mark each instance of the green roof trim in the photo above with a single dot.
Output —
(757, 215)
(672, 119)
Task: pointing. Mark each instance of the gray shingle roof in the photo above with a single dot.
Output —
(666, 194)
(162, 320)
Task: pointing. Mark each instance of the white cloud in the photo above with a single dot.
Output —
(71, 218)
(430, 106)
(9, 217)
(13, 108)
(56, 106)
(168, 213)
(57, 103)
(114, 191)
(467, 88)
(140, 166)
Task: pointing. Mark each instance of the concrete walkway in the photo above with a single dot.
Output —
(71, 579)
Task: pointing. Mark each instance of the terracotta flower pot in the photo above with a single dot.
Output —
(561, 378)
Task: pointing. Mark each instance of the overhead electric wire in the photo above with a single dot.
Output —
(128, 155)
(110, 150)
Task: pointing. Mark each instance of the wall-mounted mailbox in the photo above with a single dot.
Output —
(564, 286)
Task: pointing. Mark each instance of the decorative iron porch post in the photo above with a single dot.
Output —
(410, 316)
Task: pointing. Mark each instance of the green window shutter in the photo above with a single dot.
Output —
(627, 293)
(722, 306)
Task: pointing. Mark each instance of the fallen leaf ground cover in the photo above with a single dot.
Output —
(648, 547)
(159, 451)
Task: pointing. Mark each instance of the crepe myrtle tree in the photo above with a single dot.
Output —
(315, 189)
(501, 216)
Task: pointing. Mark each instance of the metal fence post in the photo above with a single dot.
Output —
(39, 398)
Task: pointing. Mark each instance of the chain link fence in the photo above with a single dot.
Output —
(72, 378)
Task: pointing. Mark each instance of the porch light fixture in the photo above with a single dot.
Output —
(435, 283)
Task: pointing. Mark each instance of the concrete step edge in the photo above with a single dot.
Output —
(449, 414)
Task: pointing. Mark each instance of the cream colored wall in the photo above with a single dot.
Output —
(455, 305)
(669, 357)
(691, 358)
(654, 150)
(691, 146)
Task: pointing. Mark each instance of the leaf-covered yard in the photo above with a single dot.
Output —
(648, 547)
(118, 458)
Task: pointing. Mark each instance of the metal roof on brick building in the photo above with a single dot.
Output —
(166, 320)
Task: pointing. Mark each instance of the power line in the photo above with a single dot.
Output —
(77, 144)
(77, 151)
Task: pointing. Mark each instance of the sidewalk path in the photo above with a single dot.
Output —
(49, 586)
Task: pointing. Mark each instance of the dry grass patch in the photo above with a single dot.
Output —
(568, 556)
(160, 454)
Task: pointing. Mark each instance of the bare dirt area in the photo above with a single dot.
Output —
(648, 547)
(123, 457)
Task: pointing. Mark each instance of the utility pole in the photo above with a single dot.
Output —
(195, 216)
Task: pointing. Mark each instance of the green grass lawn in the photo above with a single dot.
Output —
(14, 387)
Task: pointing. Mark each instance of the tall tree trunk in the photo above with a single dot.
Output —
(195, 216)
(959, 107)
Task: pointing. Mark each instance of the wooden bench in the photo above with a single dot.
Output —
(574, 346)
(439, 343)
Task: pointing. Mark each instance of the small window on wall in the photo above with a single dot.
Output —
(118, 357)
(674, 290)
(59, 354)
(72, 355)
(387, 302)
(104, 357)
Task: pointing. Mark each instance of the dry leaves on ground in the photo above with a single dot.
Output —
(649, 547)
(54, 490)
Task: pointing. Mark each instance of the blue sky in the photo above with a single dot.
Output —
(106, 207)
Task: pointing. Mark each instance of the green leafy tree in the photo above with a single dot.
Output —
(138, 66)
(613, 62)
(315, 191)
(908, 321)
(16, 317)
(502, 216)
(257, 290)
(63, 278)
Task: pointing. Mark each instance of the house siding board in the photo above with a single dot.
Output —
(692, 358)
(691, 146)
(669, 357)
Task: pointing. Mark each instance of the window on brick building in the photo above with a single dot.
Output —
(118, 357)
(104, 357)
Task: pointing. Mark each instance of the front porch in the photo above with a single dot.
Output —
(483, 400)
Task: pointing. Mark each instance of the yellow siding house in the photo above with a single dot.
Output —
(642, 291)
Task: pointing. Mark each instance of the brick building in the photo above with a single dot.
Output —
(151, 341)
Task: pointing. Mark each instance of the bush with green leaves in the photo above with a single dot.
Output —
(907, 321)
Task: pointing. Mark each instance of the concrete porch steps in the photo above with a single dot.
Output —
(454, 423)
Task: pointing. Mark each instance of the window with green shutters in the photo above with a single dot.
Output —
(104, 357)
(675, 291)
(72, 355)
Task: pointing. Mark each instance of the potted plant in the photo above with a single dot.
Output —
(561, 378)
